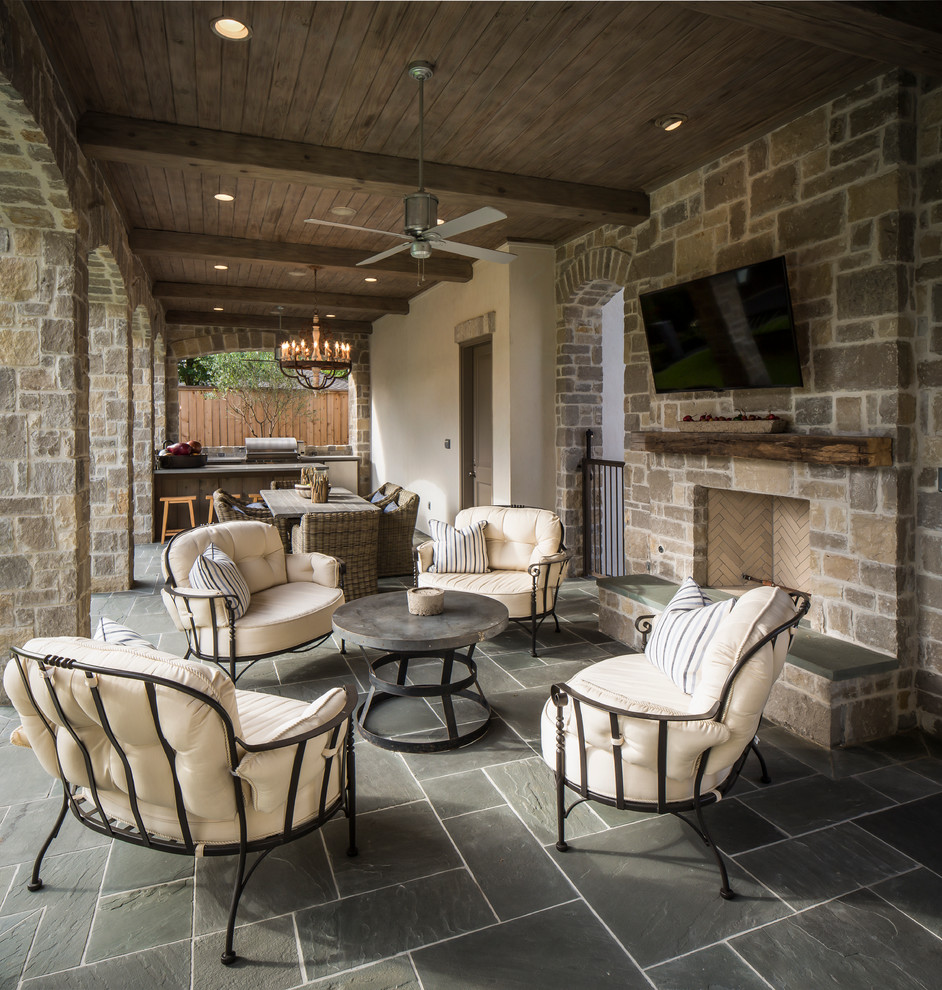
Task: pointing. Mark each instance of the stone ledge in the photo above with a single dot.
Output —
(828, 657)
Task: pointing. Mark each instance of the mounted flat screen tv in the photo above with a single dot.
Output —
(725, 331)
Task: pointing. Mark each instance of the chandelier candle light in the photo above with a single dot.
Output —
(315, 362)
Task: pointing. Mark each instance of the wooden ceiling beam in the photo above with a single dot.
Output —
(903, 34)
(287, 297)
(146, 142)
(249, 321)
(210, 247)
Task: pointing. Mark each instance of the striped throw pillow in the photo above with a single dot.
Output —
(215, 570)
(458, 551)
(683, 633)
(109, 631)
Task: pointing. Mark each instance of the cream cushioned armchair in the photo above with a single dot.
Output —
(293, 596)
(623, 733)
(527, 562)
(166, 753)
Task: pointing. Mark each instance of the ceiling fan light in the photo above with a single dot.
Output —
(671, 121)
(230, 29)
(420, 249)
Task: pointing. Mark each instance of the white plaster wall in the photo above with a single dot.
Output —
(415, 379)
(532, 378)
(613, 379)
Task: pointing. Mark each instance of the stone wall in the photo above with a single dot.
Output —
(839, 192)
(54, 212)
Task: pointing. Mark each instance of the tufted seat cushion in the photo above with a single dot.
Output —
(510, 588)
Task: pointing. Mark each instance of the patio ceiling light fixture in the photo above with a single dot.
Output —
(314, 361)
(671, 121)
(230, 29)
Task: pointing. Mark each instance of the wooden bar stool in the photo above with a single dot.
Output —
(169, 500)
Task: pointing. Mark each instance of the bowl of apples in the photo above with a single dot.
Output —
(182, 455)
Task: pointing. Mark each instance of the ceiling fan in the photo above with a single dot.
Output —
(422, 229)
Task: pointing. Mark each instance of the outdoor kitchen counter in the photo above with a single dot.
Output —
(239, 478)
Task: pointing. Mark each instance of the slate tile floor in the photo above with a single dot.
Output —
(837, 864)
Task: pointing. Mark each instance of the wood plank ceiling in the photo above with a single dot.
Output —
(543, 110)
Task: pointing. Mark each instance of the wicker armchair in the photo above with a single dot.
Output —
(349, 536)
(230, 509)
(286, 484)
(384, 494)
(396, 528)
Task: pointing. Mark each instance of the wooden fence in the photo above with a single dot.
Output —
(206, 418)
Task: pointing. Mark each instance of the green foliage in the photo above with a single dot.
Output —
(255, 390)
(195, 371)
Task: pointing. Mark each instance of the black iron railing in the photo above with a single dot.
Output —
(603, 514)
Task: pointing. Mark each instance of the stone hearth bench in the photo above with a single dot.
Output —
(832, 692)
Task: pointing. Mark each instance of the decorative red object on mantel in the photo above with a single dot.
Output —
(740, 423)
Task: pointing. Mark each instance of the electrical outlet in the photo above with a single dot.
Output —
(447, 445)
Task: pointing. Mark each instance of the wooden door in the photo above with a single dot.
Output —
(477, 447)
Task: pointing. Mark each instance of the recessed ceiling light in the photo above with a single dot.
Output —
(217, 309)
(369, 278)
(670, 121)
(230, 29)
(221, 268)
(330, 316)
(342, 211)
(224, 197)
(297, 274)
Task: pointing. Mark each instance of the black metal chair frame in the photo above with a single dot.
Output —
(89, 811)
(191, 631)
(563, 694)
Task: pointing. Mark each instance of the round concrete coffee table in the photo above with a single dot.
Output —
(384, 622)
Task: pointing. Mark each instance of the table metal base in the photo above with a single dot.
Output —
(383, 690)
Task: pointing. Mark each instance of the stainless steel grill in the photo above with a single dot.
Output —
(271, 450)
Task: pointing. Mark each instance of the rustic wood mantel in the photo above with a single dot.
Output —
(812, 449)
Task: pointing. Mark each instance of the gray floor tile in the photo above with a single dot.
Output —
(293, 876)
(900, 783)
(529, 788)
(813, 803)
(833, 763)
(657, 887)
(25, 826)
(912, 828)
(735, 828)
(854, 942)
(551, 673)
(382, 778)
(499, 745)
(390, 974)
(165, 966)
(268, 958)
(930, 767)
(16, 937)
(23, 775)
(716, 967)
(521, 710)
(68, 899)
(821, 865)
(918, 895)
(141, 919)
(461, 793)
(395, 846)
(559, 949)
(382, 923)
(514, 871)
(130, 867)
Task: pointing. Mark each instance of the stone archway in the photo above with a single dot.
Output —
(583, 286)
(109, 424)
(44, 540)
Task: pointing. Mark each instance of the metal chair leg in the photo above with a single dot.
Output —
(754, 746)
(35, 882)
(726, 892)
(351, 794)
(228, 956)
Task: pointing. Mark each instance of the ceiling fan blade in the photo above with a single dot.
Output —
(384, 254)
(477, 218)
(353, 226)
(473, 251)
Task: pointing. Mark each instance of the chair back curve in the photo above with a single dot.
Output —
(516, 536)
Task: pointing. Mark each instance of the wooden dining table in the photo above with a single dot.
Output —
(290, 502)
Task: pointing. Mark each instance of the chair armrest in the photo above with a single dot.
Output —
(644, 624)
(268, 764)
(550, 570)
(423, 556)
(198, 607)
(317, 567)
